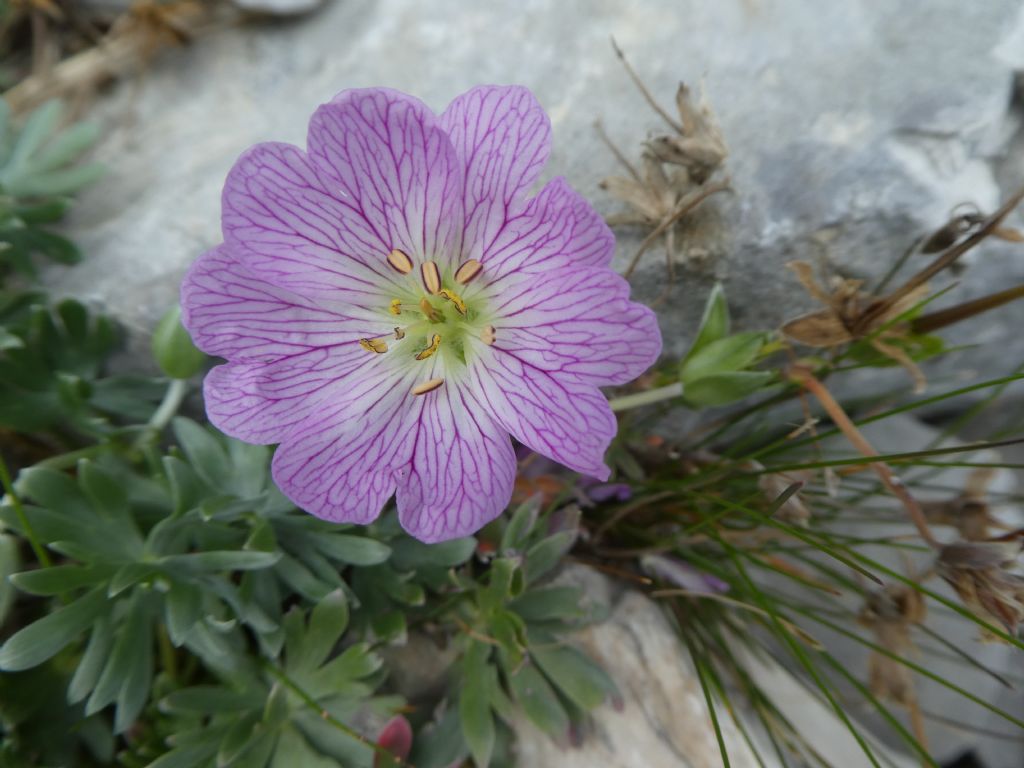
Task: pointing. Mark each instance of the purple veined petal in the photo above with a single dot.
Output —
(577, 323)
(396, 166)
(502, 136)
(462, 468)
(260, 402)
(339, 462)
(557, 417)
(232, 313)
(557, 228)
(291, 226)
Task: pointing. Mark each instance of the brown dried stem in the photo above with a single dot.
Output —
(944, 261)
(118, 54)
(935, 320)
(807, 379)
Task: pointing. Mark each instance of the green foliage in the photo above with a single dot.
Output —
(173, 349)
(514, 654)
(38, 174)
(52, 364)
(716, 370)
(195, 616)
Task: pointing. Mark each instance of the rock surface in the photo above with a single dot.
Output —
(663, 721)
(852, 127)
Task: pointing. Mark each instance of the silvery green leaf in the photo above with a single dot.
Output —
(520, 525)
(355, 550)
(409, 554)
(714, 324)
(293, 750)
(547, 553)
(539, 701)
(475, 704)
(225, 560)
(550, 604)
(173, 349)
(66, 146)
(725, 388)
(10, 561)
(46, 637)
(87, 674)
(580, 679)
(733, 353)
(62, 182)
(33, 134)
(205, 452)
(183, 608)
(327, 622)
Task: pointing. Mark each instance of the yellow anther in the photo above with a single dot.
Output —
(431, 313)
(374, 345)
(487, 335)
(427, 386)
(467, 271)
(399, 333)
(400, 260)
(435, 342)
(396, 307)
(455, 299)
(431, 277)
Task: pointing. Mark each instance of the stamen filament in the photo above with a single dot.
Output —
(427, 386)
(400, 260)
(431, 313)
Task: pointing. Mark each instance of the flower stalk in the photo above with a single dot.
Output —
(649, 397)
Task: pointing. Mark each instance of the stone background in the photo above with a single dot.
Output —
(852, 126)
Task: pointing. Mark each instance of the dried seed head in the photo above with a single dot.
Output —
(467, 271)
(400, 260)
(979, 572)
(431, 277)
(427, 386)
(890, 613)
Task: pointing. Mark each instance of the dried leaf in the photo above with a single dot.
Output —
(818, 329)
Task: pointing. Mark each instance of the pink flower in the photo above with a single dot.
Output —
(393, 304)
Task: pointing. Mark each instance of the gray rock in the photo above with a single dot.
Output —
(856, 125)
(663, 720)
(279, 7)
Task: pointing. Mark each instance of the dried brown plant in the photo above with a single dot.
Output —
(678, 171)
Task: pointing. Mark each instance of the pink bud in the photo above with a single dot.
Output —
(396, 738)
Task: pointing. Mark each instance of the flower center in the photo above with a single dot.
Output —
(434, 316)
